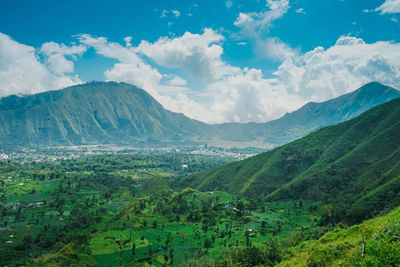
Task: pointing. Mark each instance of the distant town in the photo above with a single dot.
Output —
(48, 154)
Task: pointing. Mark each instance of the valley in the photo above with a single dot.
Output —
(100, 206)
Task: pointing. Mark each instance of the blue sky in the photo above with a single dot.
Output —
(217, 61)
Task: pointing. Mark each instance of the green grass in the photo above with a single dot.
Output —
(344, 247)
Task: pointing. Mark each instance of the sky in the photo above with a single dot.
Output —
(212, 60)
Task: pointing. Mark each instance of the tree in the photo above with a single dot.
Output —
(27, 241)
(207, 243)
(133, 249)
(247, 234)
(327, 215)
(263, 226)
(171, 255)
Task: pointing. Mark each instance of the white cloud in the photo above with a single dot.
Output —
(59, 64)
(389, 7)
(55, 56)
(300, 11)
(176, 13)
(128, 40)
(228, 93)
(244, 95)
(50, 48)
(233, 94)
(199, 55)
(256, 26)
(323, 74)
(168, 89)
(274, 48)
(21, 71)
(131, 68)
(257, 23)
(228, 3)
(175, 80)
(248, 96)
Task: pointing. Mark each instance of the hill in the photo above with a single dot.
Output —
(354, 165)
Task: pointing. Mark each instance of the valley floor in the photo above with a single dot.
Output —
(118, 210)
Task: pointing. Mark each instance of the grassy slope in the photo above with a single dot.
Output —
(344, 247)
(346, 162)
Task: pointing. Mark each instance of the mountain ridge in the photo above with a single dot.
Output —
(119, 113)
(354, 165)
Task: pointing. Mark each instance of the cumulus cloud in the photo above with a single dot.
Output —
(322, 74)
(131, 68)
(175, 80)
(227, 93)
(168, 89)
(248, 96)
(199, 55)
(255, 23)
(389, 7)
(274, 48)
(22, 72)
(232, 93)
(59, 64)
(50, 48)
(55, 54)
(128, 40)
(256, 26)
(242, 94)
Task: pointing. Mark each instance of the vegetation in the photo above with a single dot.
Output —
(373, 243)
(58, 206)
(297, 205)
(352, 166)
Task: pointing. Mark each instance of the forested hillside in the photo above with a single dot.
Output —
(354, 165)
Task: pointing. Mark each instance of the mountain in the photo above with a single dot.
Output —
(92, 113)
(119, 113)
(310, 117)
(354, 165)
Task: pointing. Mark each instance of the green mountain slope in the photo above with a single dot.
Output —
(354, 165)
(373, 243)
